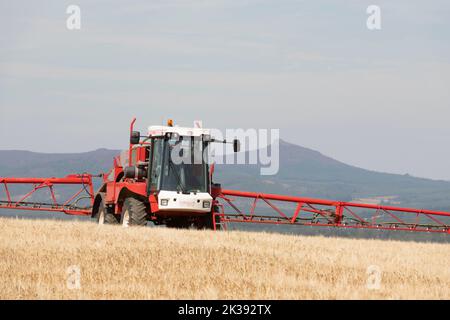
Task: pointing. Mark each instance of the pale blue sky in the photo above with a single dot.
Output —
(375, 99)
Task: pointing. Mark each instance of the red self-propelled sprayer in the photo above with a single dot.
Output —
(145, 184)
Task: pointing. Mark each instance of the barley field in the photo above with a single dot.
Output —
(44, 259)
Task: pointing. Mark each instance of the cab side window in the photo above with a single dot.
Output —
(156, 164)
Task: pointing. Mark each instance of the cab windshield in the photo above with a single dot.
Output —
(178, 164)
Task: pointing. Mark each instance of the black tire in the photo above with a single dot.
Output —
(134, 213)
(104, 216)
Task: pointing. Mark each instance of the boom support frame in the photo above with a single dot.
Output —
(326, 213)
(69, 206)
(233, 209)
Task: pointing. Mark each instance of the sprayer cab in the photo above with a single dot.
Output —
(178, 171)
(174, 167)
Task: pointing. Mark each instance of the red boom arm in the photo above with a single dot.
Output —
(327, 213)
(69, 206)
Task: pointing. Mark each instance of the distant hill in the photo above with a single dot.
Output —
(33, 164)
(303, 172)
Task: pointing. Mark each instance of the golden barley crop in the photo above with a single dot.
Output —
(43, 259)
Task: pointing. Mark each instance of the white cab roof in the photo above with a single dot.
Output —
(182, 131)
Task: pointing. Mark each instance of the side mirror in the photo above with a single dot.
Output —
(236, 145)
(135, 137)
